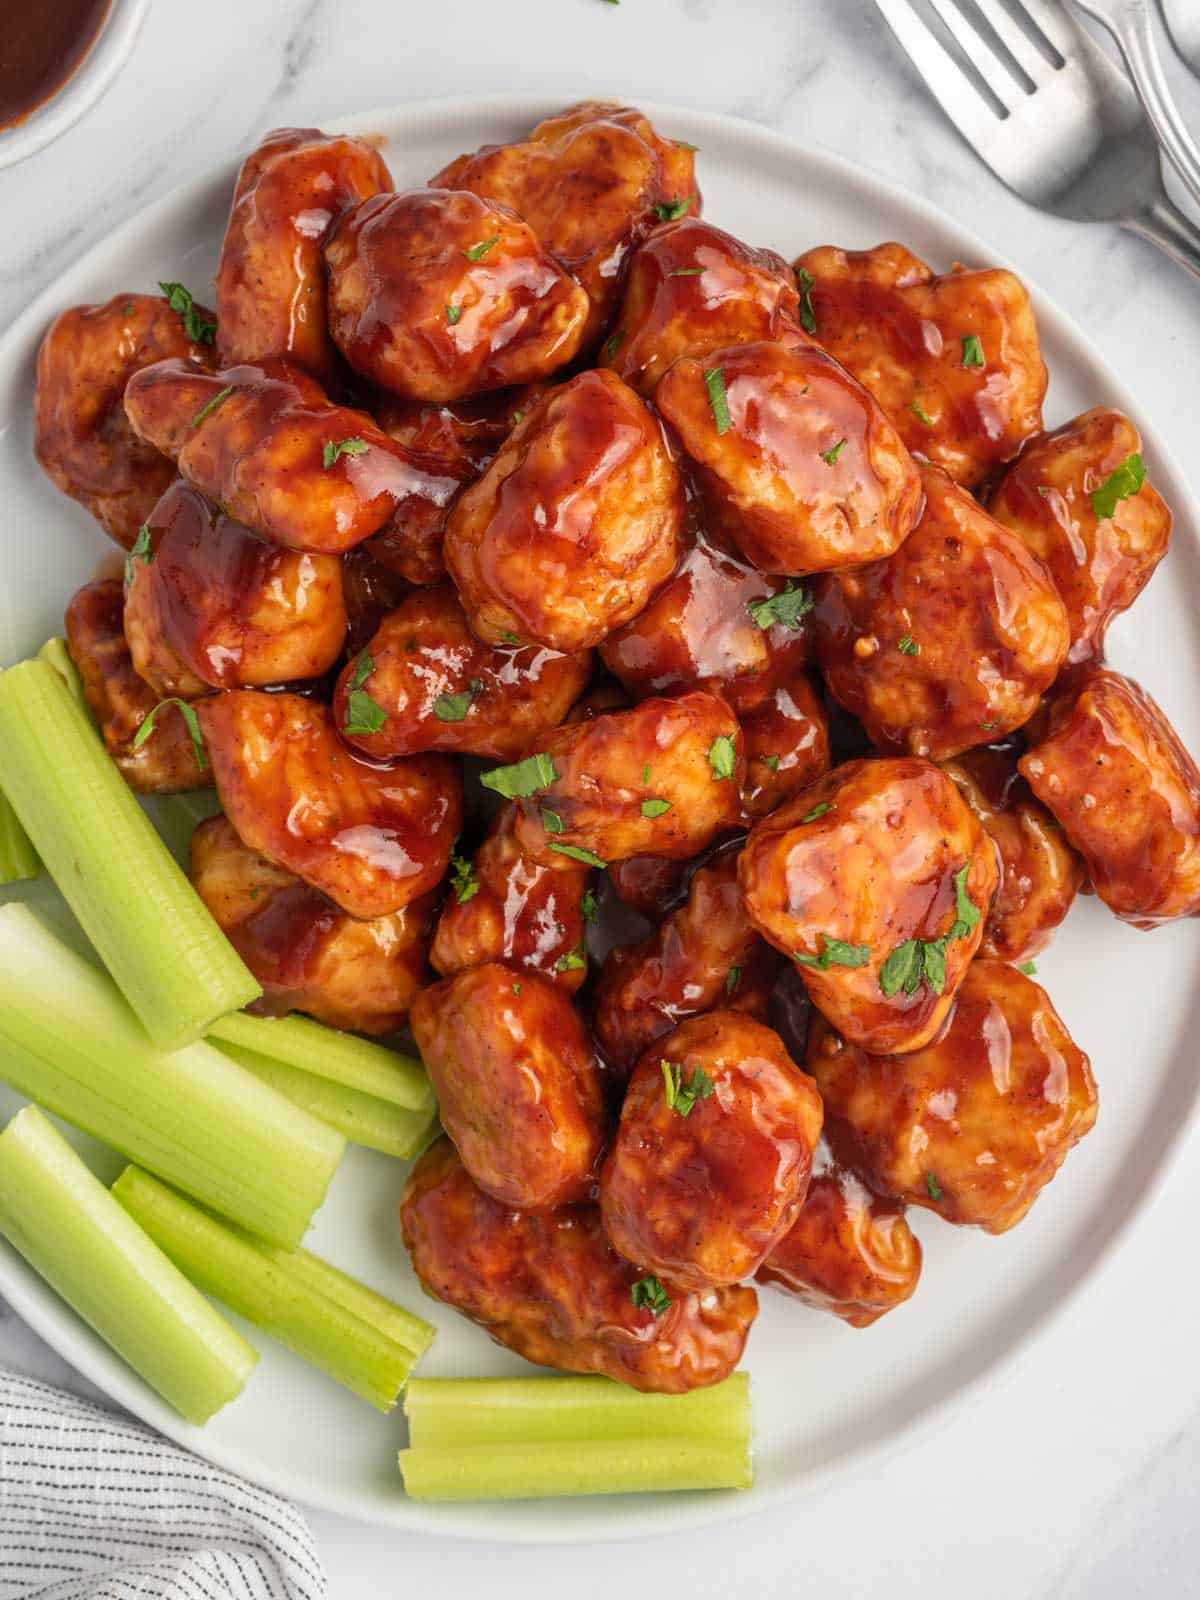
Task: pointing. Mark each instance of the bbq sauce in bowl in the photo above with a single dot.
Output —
(41, 49)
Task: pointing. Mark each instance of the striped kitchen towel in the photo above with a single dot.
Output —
(94, 1506)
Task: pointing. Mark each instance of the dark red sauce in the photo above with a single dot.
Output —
(41, 48)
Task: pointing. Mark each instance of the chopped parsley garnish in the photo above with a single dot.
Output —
(464, 880)
(988, 726)
(732, 979)
(785, 608)
(918, 960)
(454, 707)
(363, 715)
(587, 906)
(835, 953)
(648, 1292)
(655, 808)
(772, 762)
(714, 382)
(1029, 968)
(200, 330)
(552, 822)
(363, 668)
(516, 988)
(817, 811)
(577, 853)
(933, 1186)
(908, 646)
(672, 210)
(972, 351)
(574, 960)
(342, 447)
(829, 457)
(613, 345)
(682, 144)
(722, 756)
(919, 411)
(206, 411)
(509, 638)
(1119, 485)
(686, 272)
(808, 317)
(453, 314)
(189, 716)
(478, 251)
(139, 550)
(522, 779)
(681, 1096)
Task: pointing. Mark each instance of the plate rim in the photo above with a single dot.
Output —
(76, 1344)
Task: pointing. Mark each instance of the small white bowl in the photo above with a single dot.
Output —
(83, 89)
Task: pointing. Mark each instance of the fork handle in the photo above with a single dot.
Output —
(1166, 226)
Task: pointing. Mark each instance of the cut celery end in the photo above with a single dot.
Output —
(326, 1053)
(18, 859)
(149, 926)
(229, 1265)
(56, 654)
(592, 1466)
(69, 1041)
(74, 1235)
(360, 1117)
(394, 1322)
(444, 1412)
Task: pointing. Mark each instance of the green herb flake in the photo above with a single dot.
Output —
(363, 715)
(918, 961)
(140, 550)
(808, 317)
(342, 447)
(646, 773)
(903, 969)
(363, 668)
(933, 1186)
(972, 351)
(672, 210)
(680, 1094)
(464, 880)
(522, 779)
(516, 988)
(908, 646)
(510, 638)
(835, 953)
(647, 1292)
(722, 757)
(199, 329)
(574, 961)
(454, 315)
(478, 251)
(771, 762)
(733, 978)
(552, 822)
(714, 382)
(817, 811)
(454, 707)
(1029, 968)
(922, 416)
(829, 457)
(686, 272)
(682, 144)
(986, 727)
(189, 716)
(207, 411)
(1119, 485)
(785, 608)
(587, 907)
(577, 853)
(655, 808)
(613, 345)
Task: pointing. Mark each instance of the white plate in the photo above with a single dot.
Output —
(826, 1397)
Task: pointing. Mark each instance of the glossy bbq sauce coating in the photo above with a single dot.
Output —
(41, 49)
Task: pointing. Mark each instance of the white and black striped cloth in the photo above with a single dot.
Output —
(96, 1507)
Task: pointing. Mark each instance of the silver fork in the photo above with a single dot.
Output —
(1072, 137)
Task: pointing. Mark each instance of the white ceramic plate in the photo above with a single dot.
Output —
(826, 1397)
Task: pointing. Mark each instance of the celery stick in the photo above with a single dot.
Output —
(362, 1118)
(591, 1466)
(18, 858)
(56, 654)
(69, 1041)
(227, 1264)
(151, 929)
(72, 1232)
(403, 1327)
(444, 1412)
(341, 1057)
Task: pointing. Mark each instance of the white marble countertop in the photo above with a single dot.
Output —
(1078, 1473)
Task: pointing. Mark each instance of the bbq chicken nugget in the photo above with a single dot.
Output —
(575, 524)
(977, 1123)
(796, 462)
(549, 1286)
(876, 882)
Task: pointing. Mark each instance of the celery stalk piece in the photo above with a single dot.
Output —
(448, 1412)
(393, 1321)
(149, 926)
(326, 1053)
(65, 1223)
(69, 1041)
(587, 1466)
(360, 1117)
(56, 654)
(228, 1264)
(18, 859)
